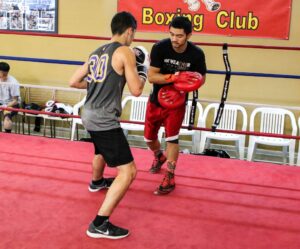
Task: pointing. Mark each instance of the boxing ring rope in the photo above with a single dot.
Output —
(135, 122)
(88, 37)
(78, 63)
(204, 100)
(68, 62)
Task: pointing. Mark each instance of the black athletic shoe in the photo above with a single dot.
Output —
(105, 184)
(106, 230)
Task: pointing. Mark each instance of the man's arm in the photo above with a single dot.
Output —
(203, 79)
(78, 78)
(154, 76)
(15, 93)
(13, 102)
(134, 81)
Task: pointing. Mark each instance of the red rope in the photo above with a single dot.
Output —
(39, 112)
(145, 40)
(250, 133)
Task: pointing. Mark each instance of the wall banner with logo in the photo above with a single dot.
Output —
(249, 18)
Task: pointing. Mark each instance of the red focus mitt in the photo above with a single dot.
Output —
(185, 81)
(171, 98)
(188, 81)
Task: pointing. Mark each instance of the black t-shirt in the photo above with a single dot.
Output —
(163, 56)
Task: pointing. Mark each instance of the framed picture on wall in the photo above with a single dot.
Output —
(29, 15)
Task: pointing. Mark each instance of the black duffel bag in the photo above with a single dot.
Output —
(215, 153)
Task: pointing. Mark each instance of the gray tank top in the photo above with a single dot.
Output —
(102, 108)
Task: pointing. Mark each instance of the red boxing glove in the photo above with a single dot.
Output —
(188, 81)
(169, 97)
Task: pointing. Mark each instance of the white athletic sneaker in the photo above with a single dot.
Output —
(106, 231)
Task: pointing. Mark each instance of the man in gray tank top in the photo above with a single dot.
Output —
(104, 77)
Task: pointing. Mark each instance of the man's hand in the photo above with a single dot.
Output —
(185, 81)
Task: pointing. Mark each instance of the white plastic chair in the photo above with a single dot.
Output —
(298, 158)
(195, 134)
(37, 96)
(137, 113)
(27, 119)
(272, 120)
(227, 122)
(52, 120)
(76, 121)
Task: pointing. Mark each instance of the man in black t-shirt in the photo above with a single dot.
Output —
(169, 56)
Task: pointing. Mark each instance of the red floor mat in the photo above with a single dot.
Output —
(217, 203)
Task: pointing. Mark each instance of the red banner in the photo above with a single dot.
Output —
(250, 18)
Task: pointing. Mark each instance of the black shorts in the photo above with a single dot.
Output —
(113, 146)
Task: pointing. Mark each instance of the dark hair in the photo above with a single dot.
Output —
(182, 22)
(4, 67)
(122, 21)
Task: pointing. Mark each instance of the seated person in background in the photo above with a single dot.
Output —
(9, 94)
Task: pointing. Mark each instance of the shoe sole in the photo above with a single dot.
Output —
(96, 189)
(155, 171)
(103, 236)
(159, 192)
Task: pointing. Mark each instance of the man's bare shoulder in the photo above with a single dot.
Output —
(124, 50)
(123, 54)
(122, 57)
